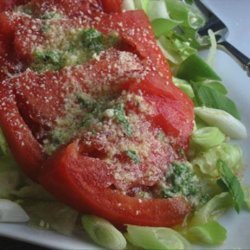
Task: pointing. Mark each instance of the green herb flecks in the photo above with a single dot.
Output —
(93, 110)
(51, 15)
(181, 180)
(47, 60)
(45, 28)
(77, 47)
(95, 41)
(133, 156)
(230, 183)
(82, 113)
(120, 116)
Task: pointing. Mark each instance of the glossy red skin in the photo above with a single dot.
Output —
(27, 151)
(174, 109)
(70, 8)
(11, 61)
(19, 32)
(10, 4)
(55, 86)
(83, 182)
(110, 6)
(75, 179)
(30, 90)
(72, 177)
(135, 30)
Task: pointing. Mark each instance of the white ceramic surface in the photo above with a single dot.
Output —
(236, 14)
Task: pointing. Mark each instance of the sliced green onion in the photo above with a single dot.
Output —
(9, 181)
(205, 96)
(184, 86)
(50, 215)
(167, 50)
(156, 238)
(212, 209)
(33, 192)
(3, 144)
(180, 11)
(12, 212)
(207, 137)
(213, 48)
(195, 19)
(162, 26)
(103, 232)
(128, 5)
(228, 124)
(141, 4)
(157, 9)
(211, 233)
(246, 190)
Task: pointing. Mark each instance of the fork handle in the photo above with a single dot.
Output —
(239, 56)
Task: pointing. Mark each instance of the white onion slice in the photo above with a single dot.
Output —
(12, 212)
(228, 124)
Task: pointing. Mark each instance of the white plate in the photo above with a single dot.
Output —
(236, 15)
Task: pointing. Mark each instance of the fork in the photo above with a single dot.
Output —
(221, 32)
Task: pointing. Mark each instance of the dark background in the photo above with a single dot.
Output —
(9, 244)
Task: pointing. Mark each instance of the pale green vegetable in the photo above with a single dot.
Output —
(3, 144)
(12, 212)
(9, 181)
(51, 215)
(190, 15)
(157, 9)
(211, 233)
(175, 24)
(215, 84)
(103, 232)
(141, 4)
(230, 183)
(184, 86)
(227, 123)
(213, 48)
(162, 26)
(207, 96)
(206, 161)
(246, 190)
(207, 137)
(174, 49)
(156, 238)
(9, 176)
(168, 50)
(212, 209)
(128, 5)
(194, 68)
(33, 192)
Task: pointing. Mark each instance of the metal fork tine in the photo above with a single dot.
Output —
(204, 9)
(214, 24)
(217, 26)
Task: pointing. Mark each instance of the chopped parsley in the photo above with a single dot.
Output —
(77, 47)
(133, 156)
(120, 117)
(181, 180)
(93, 40)
(47, 60)
(51, 15)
